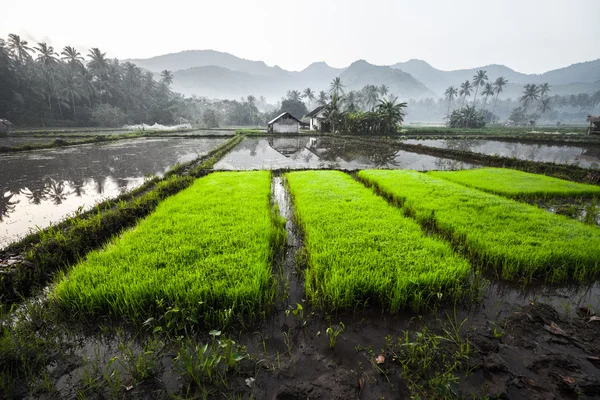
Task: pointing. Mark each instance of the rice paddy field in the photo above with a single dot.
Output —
(361, 250)
(519, 239)
(205, 251)
(286, 268)
(517, 184)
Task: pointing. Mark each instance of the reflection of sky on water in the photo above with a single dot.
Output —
(326, 152)
(584, 156)
(41, 187)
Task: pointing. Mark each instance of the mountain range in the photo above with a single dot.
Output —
(215, 74)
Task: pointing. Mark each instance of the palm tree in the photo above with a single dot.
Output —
(479, 79)
(450, 93)
(465, 90)
(309, 95)
(487, 92)
(294, 95)
(498, 85)
(85, 80)
(544, 88)
(19, 47)
(337, 87)
(333, 112)
(322, 98)
(69, 86)
(98, 64)
(350, 99)
(391, 113)
(47, 57)
(383, 90)
(545, 105)
(166, 77)
(531, 94)
(72, 56)
(371, 95)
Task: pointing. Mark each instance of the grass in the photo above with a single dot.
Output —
(360, 250)
(204, 252)
(522, 241)
(517, 184)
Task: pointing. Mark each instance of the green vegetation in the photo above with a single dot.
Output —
(521, 240)
(205, 252)
(360, 250)
(517, 184)
(57, 246)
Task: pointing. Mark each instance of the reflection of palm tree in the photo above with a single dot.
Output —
(100, 185)
(78, 185)
(7, 205)
(35, 195)
(56, 192)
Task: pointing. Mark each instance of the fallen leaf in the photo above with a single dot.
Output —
(380, 359)
(568, 379)
(555, 329)
(594, 318)
(361, 383)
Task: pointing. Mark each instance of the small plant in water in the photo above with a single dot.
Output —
(298, 314)
(333, 332)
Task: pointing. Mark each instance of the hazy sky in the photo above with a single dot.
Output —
(530, 36)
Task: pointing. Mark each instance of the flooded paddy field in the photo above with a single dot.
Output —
(586, 156)
(43, 186)
(327, 153)
(486, 338)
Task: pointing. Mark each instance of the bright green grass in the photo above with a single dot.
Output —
(204, 253)
(362, 250)
(517, 184)
(522, 240)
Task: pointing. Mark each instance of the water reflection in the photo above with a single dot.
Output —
(584, 156)
(326, 152)
(42, 187)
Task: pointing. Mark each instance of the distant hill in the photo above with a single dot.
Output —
(221, 75)
(438, 80)
(401, 84)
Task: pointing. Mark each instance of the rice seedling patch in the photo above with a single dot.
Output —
(521, 240)
(517, 184)
(360, 250)
(204, 254)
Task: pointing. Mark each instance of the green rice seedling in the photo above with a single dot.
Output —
(517, 184)
(360, 250)
(521, 240)
(204, 255)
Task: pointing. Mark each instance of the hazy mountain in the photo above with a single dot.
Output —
(401, 84)
(221, 75)
(438, 80)
(204, 58)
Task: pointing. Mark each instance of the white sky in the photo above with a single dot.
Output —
(530, 36)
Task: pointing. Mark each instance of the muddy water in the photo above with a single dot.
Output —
(585, 156)
(326, 152)
(41, 187)
(15, 141)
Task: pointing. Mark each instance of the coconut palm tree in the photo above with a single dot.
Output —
(333, 111)
(383, 90)
(69, 87)
(531, 94)
(19, 48)
(479, 79)
(390, 113)
(72, 56)
(487, 92)
(309, 95)
(294, 95)
(166, 77)
(98, 64)
(465, 90)
(351, 99)
(336, 87)
(85, 80)
(322, 98)
(450, 93)
(498, 86)
(371, 96)
(544, 88)
(545, 105)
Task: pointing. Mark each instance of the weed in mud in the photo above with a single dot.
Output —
(361, 251)
(298, 314)
(333, 332)
(521, 240)
(204, 256)
(517, 184)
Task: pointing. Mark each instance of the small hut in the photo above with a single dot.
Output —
(284, 123)
(594, 121)
(4, 124)
(317, 118)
